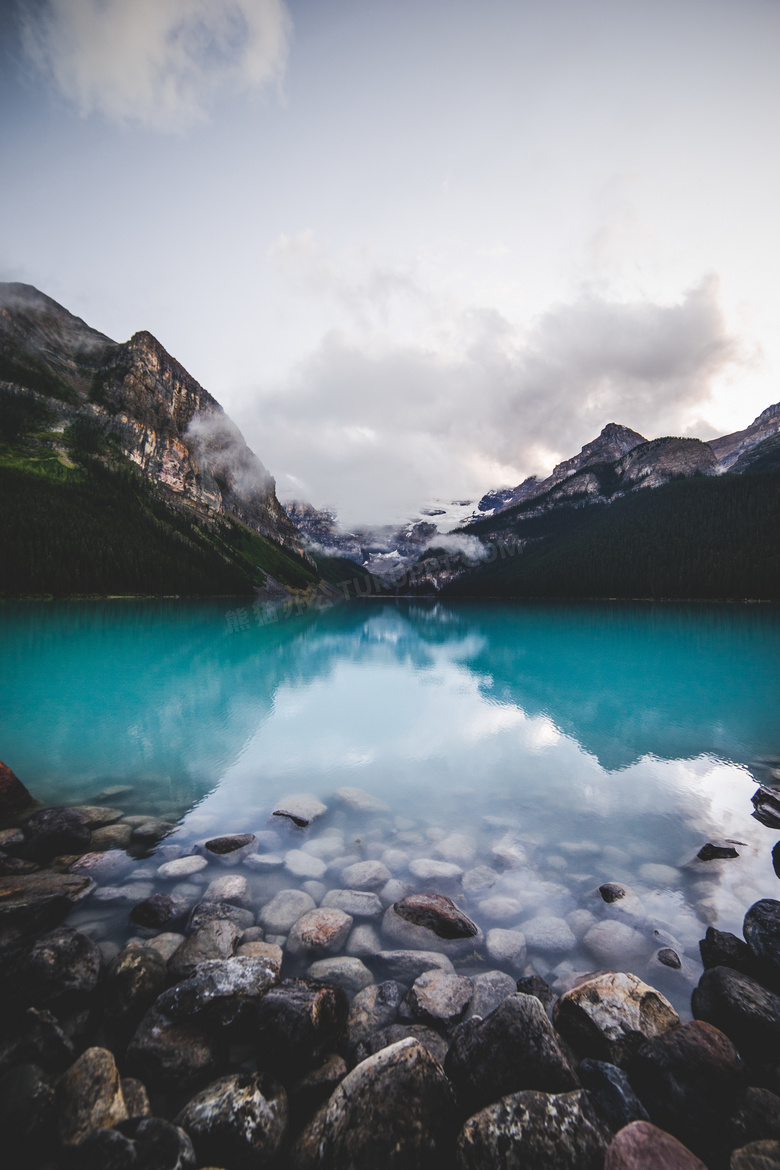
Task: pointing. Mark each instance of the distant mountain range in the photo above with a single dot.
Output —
(120, 473)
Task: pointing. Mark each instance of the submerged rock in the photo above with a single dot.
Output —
(301, 809)
(54, 831)
(215, 939)
(319, 933)
(548, 935)
(342, 971)
(406, 966)
(507, 948)
(159, 910)
(555, 1131)
(436, 913)
(356, 903)
(366, 875)
(225, 846)
(278, 915)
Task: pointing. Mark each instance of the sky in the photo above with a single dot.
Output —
(417, 249)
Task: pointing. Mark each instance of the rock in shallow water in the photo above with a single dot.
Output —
(181, 867)
(406, 966)
(319, 933)
(507, 948)
(342, 971)
(365, 875)
(533, 1129)
(239, 1120)
(439, 997)
(213, 940)
(356, 903)
(278, 915)
(301, 808)
(436, 913)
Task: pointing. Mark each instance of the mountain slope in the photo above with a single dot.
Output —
(107, 448)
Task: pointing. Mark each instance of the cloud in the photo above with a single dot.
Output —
(376, 427)
(160, 63)
(218, 442)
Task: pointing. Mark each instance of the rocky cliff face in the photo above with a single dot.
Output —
(654, 463)
(163, 420)
(729, 448)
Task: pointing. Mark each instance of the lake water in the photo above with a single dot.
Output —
(571, 745)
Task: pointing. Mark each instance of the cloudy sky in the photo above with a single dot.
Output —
(417, 248)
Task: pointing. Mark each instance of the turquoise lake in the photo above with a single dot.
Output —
(600, 742)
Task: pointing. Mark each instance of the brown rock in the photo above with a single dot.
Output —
(642, 1146)
(763, 1155)
(320, 932)
(136, 1098)
(436, 913)
(14, 797)
(34, 902)
(610, 1016)
(91, 1097)
(440, 998)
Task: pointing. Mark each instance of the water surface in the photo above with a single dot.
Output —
(609, 742)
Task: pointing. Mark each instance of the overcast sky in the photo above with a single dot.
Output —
(416, 248)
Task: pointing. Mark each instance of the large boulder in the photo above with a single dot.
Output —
(748, 1013)
(530, 1129)
(297, 1024)
(394, 1110)
(214, 940)
(63, 962)
(764, 1155)
(239, 1120)
(718, 948)
(134, 979)
(756, 1117)
(90, 1096)
(141, 1143)
(220, 992)
(688, 1079)
(512, 1049)
(611, 1094)
(610, 1016)
(169, 1054)
(319, 933)
(34, 902)
(642, 1146)
(440, 998)
(761, 929)
(54, 831)
(160, 912)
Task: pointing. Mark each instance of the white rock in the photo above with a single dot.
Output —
(263, 862)
(509, 853)
(279, 915)
(499, 908)
(457, 847)
(551, 936)
(395, 859)
(429, 869)
(304, 865)
(319, 932)
(479, 879)
(303, 805)
(182, 867)
(660, 875)
(360, 801)
(233, 888)
(325, 847)
(357, 903)
(614, 943)
(365, 875)
(317, 890)
(394, 891)
(506, 948)
(580, 922)
(364, 942)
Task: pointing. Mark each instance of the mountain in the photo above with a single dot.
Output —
(121, 473)
(615, 440)
(730, 448)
